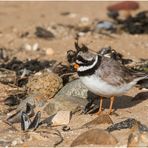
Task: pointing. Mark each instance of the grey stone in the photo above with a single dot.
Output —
(74, 88)
(30, 99)
(63, 102)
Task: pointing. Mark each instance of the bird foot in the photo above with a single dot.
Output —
(112, 112)
(100, 111)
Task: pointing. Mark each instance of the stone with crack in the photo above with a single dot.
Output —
(43, 83)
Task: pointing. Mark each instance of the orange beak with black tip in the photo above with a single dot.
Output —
(76, 66)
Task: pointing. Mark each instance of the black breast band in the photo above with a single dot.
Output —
(92, 70)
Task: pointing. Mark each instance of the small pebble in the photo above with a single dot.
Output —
(61, 118)
(14, 143)
(49, 51)
(27, 47)
(35, 47)
(72, 15)
(84, 19)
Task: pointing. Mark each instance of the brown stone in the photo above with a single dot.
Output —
(101, 119)
(44, 83)
(95, 137)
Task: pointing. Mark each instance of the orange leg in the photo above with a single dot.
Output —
(111, 104)
(100, 108)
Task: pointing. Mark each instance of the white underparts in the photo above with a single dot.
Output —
(96, 85)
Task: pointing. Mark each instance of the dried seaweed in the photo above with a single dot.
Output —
(43, 33)
(128, 123)
(133, 24)
(112, 53)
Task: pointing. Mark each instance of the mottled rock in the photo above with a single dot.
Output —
(61, 118)
(44, 83)
(95, 137)
(74, 88)
(138, 139)
(64, 102)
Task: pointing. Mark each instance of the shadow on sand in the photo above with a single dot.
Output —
(122, 101)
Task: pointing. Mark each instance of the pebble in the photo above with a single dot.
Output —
(14, 143)
(69, 14)
(61, 118)
(95, 137)
(49, 51)
(81, 34)
(43, 33)
(72, 15)
(29, 47)
(84, 19)
(26, 47)
(104, 25)
(35, 47)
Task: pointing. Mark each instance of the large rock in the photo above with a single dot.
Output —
(74, 88)
(63, 102)
(44, 83)
(95, 137)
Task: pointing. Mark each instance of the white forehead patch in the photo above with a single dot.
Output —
(79, 62)
(89, 59)
(84, 68)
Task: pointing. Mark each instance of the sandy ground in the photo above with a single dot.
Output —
(19, 17)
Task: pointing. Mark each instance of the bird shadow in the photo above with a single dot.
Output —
(121, 102)
(126, 101)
